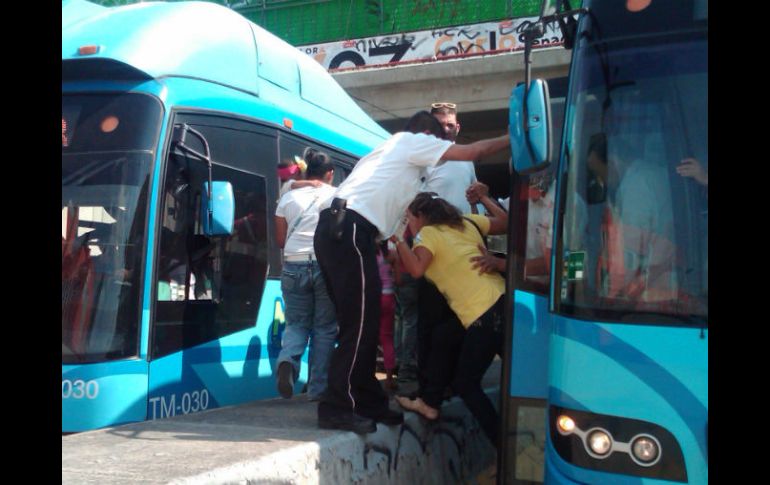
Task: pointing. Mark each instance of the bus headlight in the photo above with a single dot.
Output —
(615, 444)
(565, 424)
(645, 450)
(599, 442)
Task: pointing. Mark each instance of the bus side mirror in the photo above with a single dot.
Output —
(217, 213)
(530, 145)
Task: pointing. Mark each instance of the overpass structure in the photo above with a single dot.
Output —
(475, 66)
(480, 86)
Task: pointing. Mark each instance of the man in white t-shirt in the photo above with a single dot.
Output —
(310, 313)
(450, 180)
(637, 257)
(369, 206)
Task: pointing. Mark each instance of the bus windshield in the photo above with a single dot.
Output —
(633, 238)
(106, 161)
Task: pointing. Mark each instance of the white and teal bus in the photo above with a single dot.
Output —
(174, 118)
(606, 371)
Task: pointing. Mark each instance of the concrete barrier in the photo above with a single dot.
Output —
(278, 442)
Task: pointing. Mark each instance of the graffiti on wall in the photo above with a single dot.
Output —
(430, 45)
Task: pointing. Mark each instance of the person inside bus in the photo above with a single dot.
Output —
(540, 205)
(77, 271)
(466, 344)
(692, 168)
(310, 314)
(637, 254)
(369, 206)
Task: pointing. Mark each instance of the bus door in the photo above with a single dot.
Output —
(209, 327)
(525, 375)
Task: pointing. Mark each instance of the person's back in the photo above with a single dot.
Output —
(637, 252)
(468, 293)
(300, 207)
(377, 185)
(462, 347)
(642, 205)
(310, 314)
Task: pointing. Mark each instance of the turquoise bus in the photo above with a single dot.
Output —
(605, 376)
(174, 118)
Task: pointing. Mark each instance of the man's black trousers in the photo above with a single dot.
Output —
(349, 266)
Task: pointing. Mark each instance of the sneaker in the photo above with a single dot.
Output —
(285, 379)
(348, 421)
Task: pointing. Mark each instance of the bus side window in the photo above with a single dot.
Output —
(291, 146)
(341, 172)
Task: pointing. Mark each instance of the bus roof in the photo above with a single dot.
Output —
(205, 41)
(75, 10)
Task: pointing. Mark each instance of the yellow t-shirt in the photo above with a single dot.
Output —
(468, 293)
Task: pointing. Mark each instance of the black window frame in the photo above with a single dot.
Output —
(149, 145)
(343, 165)
(265, 167)
(206, 311)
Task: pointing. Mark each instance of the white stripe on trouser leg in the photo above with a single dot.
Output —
(361, 321)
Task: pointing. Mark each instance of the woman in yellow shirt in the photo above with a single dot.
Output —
(445, 248)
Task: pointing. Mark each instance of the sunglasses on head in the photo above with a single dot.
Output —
(443, 105)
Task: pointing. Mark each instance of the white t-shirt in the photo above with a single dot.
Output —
(295, 203)
(540, 223)
(643, 206)
(384, 182)
(450, 181)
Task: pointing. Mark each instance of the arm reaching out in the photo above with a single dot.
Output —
(478, 149)
(498, 218)
(692, 168)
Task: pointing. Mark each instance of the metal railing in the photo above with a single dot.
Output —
(314, 21)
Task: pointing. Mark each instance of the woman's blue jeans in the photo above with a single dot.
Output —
(310, 315)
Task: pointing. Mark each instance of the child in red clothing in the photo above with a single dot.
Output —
(385, 260)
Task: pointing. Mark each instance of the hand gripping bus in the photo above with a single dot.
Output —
(174, 117)
(605, 375)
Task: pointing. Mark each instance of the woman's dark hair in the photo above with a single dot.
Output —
(318, 163)
(423, 121)
(436, 210)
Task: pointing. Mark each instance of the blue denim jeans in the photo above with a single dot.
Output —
(310, 315)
